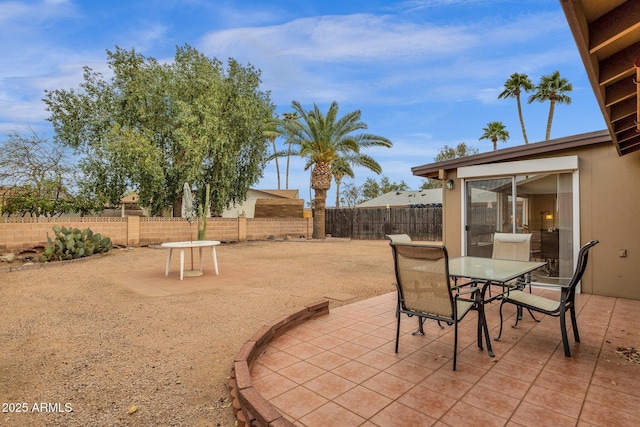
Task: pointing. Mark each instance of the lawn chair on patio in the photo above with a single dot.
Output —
(398, 238)
(424, 288)
(552, 307)
(513, 247)
(405, 238)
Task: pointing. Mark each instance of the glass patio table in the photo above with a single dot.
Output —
(489, 271)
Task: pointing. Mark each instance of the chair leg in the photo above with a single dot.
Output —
(420, 329)
(455, 345)
(500, 333)
(398, 332)
(576, 336)
(563, 330)
(517, 320)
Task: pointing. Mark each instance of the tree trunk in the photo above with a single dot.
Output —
(320, 182)
(320, 202)
(550, 119)
(273, 141)
(524, 132)
(177, 206)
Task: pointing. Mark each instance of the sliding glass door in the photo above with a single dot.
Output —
(538, 204)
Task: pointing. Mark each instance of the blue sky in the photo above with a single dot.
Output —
(424, 73)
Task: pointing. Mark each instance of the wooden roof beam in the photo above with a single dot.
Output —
(630, 146)
(619, 65)
(614, 25)
(620, 91)
(623, 109)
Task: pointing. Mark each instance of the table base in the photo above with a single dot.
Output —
(192, 273)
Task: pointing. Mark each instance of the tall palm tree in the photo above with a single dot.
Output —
(552, 88)
(324, 138)
(271, 132)
(495, 131)
(339, 169)
(512, 89)
(287, 117)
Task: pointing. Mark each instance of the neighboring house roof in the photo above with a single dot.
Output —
(607, 33)
(405, 198)
(285, 194)
(432, 170)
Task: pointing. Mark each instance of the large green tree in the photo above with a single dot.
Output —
(322, 139)
(495, 131)
(552, 88)
(461, 150)
(152, 127)
(513, 88)
(372, 189)
(448, 153)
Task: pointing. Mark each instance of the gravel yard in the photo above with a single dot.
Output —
(111, 341)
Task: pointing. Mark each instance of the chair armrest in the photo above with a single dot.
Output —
(550, 278)
(471, 290)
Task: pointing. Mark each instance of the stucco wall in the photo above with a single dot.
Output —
(609, 212)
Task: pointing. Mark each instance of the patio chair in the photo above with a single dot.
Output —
(513, 247)
(405, 238)
(424, 288)
(398, 238)
(553, 307)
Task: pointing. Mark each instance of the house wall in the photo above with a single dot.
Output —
(18, 234)
(609, 212)
(451, 219)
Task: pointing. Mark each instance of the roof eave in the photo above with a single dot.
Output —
(536, 149)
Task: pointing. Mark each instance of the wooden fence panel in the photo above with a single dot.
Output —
(423, 223)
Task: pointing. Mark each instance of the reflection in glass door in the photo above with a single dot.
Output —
(487, 204)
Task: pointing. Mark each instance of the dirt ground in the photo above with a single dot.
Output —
(111, 341)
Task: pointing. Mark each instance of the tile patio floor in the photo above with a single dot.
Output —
(341, 370)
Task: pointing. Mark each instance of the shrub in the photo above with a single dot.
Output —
(72, 243)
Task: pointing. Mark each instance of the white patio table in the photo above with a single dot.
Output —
(191, 244)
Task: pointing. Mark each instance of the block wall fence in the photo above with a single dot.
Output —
(18, 234)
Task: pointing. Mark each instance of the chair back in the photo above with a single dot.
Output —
(583, 257)
(511, 246)
(398, 238)
(422, 274)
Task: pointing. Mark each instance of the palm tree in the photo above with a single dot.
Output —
(552, 88)
(322, 139)
(339, 169)
(271, 132)
(287, 117)
(495, 131)
(512, 89)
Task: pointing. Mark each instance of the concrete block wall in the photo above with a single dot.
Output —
(262, 228)
(18, 234)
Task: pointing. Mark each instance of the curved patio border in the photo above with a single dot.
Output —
(249, 406)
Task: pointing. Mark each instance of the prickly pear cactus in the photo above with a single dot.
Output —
(72, 243)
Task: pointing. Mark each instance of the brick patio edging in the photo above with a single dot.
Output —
(250, 408)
